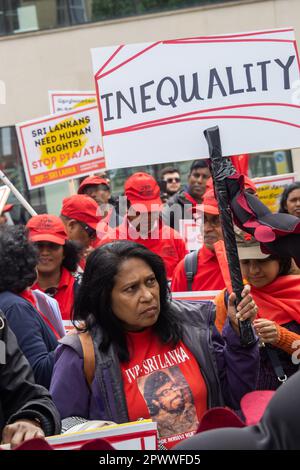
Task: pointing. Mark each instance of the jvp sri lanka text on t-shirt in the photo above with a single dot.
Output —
(164, 382)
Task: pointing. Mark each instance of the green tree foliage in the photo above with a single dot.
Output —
(105, 9)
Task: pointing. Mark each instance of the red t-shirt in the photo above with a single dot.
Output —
(208, 276)
(65, 293)
(164, 383)
(165, 242)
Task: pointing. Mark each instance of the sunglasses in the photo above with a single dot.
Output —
(173, 180)
(89, 230)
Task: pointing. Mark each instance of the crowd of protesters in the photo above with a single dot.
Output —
(108, 267)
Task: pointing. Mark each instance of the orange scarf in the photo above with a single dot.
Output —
(280, 300)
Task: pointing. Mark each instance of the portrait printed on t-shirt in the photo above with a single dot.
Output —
(170, 401)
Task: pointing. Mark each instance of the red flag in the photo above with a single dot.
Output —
(241, 163)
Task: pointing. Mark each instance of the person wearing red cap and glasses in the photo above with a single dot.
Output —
(98, 189)
(95, 187)
(58, 260)
(143, 223)
(208, 275)
(80, 215)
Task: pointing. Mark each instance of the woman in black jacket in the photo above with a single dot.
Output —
(26, 409)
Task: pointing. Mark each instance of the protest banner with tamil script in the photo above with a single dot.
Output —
(61, 101)
(270, 189)
(156, 99)
(61, 147)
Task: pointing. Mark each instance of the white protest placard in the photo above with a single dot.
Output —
(156, 99)
(195, 296)
(61, 101)
(192, 233)
(136, 435)
(61, 147)
(4, 193)
(270, 189)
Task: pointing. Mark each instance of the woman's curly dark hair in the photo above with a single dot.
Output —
(18, 259)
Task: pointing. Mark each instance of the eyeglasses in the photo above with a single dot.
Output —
(89, 230)
(173, 180)
(166, 391)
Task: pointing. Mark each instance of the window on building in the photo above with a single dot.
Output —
(12, 166)
(71, 12)
(9, 16)
(270, 163)
(260, 164)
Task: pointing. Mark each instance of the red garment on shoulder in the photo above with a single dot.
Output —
(65, 293)
(27, 295)
(208, 277)
(190, 198)
(165, 242)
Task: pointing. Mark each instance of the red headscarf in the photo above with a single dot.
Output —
(278, 301)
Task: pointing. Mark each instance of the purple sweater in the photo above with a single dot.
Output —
(229, 369)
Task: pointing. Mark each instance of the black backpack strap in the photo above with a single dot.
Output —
(276, 364)
(190, 267)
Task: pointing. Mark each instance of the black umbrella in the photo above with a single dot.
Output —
(221, 169)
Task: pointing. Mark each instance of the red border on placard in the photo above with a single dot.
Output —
(239, 35)
(179, 41)
(109, 60)
(98, 162)
(175, 119)
(138, 54)
(111, 439)
(204, 41)
(273, 180)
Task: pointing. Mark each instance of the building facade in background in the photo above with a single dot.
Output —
(45, 44)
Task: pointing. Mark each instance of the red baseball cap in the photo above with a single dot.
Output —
(92, 181)
(210, 204)
(48, 228)
(81, 208)
(142, 189)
